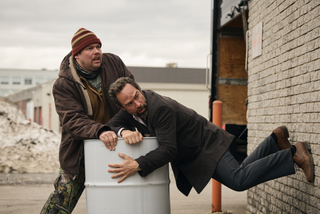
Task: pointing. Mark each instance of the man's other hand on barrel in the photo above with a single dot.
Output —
(125, 169)
(131, 137)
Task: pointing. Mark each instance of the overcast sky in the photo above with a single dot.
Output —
(36, 34)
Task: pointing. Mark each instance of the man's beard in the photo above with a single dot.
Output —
(144, 114)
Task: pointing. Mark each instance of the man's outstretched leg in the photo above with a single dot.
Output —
(240, 178)
(265, 163)
(278, 140)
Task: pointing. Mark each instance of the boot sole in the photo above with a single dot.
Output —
(308, 149)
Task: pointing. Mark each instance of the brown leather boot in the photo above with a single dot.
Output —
(304, 160)
(282, 135)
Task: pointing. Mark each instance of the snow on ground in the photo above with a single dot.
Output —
(25, 147)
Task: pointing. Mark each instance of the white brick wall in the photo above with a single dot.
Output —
(284, 89)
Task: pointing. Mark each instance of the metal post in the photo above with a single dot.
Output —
(216, 186)
(215, 17)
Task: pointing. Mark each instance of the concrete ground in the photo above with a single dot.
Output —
(27, 193)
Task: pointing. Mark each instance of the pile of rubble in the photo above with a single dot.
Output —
(25, 147)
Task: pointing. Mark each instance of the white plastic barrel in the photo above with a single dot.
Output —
(136, 194)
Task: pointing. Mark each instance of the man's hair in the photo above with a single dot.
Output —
(118, 85)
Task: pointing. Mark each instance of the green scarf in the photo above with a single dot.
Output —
(92, 77)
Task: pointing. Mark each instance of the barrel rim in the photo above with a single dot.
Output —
(120, 138)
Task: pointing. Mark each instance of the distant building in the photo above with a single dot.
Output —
(13, 80)
(186, 85)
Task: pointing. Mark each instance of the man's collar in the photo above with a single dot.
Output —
(139, 119)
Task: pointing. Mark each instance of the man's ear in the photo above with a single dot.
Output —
(123, 108)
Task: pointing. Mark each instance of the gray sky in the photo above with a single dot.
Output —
(37, 34)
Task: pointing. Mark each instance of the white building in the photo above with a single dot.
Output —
(13, 80)
(37, 104)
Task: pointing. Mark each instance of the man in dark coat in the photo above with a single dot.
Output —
(197, 149)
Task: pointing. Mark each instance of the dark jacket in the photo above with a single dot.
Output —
(190, 142)
(76, 110)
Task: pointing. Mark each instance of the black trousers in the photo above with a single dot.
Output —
(265, 163)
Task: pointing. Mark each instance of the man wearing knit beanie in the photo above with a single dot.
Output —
(83, 105)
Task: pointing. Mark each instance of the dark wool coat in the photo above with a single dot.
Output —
(190, 142)
(76, 110)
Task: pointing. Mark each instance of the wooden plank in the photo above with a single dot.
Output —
(232, 65)
(234, 107)
(232, 52)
